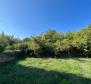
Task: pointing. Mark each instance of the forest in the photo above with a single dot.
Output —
(48, 44)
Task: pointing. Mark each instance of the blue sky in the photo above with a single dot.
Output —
(26, 17)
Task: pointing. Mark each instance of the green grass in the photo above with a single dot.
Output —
(46, 71)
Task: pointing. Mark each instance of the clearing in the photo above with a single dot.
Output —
(46, 71)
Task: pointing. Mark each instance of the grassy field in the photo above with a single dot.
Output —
(46, 71)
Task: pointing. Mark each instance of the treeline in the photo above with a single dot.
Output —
(49, 44)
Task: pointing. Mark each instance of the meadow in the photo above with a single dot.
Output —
(45, 42)
(46, 71)
(49, 58)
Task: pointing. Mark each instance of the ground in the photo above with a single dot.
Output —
(46, 71)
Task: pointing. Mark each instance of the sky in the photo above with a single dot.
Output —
(23, 18)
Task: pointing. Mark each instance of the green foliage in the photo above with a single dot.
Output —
(51, 43)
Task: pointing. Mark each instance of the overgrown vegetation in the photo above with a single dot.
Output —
(49, 44)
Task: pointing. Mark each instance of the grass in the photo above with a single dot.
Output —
(46, 71)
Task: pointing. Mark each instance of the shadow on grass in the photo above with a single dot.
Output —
(13, 73)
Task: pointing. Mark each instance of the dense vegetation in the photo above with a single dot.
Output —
(49, 44)
(46, 71)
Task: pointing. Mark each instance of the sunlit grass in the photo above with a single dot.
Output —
(46, 71)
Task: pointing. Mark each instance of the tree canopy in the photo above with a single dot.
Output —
(51, 43)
